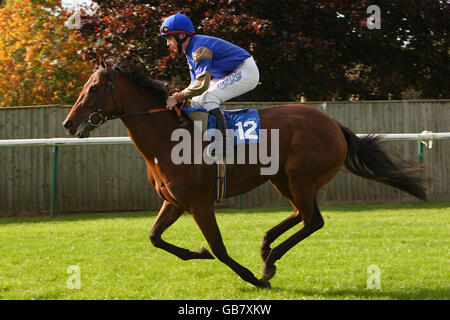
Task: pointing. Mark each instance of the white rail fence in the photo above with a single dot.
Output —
(423, 138)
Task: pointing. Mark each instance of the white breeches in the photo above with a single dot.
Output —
(242, 80)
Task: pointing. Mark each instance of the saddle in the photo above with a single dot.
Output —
(244, 122)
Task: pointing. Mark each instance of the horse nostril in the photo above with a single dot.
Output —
(67, 124)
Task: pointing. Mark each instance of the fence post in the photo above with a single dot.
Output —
(420, 151)
(240, 202)
(54, 174)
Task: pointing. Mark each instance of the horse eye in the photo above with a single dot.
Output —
(93, 90)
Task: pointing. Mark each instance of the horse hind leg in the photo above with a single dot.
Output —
(281, 185)
(312, 221)
(272, 234)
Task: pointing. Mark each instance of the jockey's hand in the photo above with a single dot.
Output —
(171, 102)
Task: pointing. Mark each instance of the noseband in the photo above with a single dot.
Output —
(99, 111)
(102, 104)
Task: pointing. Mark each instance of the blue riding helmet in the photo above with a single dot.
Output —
(177, 24)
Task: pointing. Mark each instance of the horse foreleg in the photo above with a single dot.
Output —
(206, 220)
(167, 215)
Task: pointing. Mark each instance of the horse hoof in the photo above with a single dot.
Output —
(263, 283)
(268, 272)
(205, 254)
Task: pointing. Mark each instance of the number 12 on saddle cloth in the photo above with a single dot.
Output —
(244, 122)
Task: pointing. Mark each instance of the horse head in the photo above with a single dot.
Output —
(99, 101)
(95, 103)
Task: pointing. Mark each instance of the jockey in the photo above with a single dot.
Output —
(219, 69)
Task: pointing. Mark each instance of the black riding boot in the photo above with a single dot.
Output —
(221, 126)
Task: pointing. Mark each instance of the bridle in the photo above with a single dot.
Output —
(103, 119)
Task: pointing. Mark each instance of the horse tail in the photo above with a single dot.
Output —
(366, 159)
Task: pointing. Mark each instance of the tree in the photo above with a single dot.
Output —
(321, 49)
(39, 63)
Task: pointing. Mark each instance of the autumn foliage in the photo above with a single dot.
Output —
(39, 63)
(319, 49)
(322, 50)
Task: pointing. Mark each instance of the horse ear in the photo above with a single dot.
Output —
(102, 62)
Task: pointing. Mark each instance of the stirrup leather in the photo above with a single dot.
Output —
(220, 180)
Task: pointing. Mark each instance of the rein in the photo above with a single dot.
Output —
(111, 117)
(142, 113)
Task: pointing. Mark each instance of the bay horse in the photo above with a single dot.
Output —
(312, 149)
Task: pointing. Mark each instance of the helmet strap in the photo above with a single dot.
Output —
(180, 43)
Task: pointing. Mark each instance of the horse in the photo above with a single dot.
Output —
(313, 147)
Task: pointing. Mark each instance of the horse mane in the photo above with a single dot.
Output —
(135, 74)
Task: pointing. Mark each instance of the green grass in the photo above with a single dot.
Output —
(408, 243)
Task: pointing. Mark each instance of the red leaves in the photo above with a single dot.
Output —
(300, 46)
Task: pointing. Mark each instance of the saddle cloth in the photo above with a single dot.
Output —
(245, 123)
